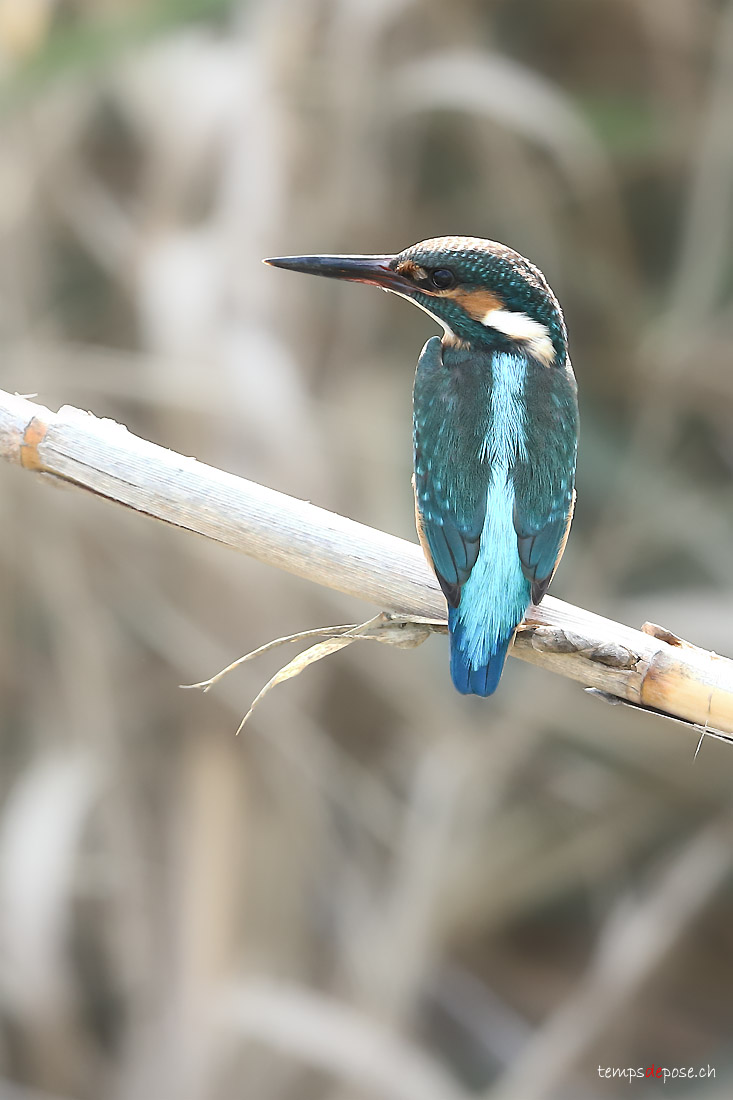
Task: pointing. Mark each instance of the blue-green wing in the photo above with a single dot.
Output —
(451, 482)
(541, 544)
(544, 480)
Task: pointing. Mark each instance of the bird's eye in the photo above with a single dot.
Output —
(442, 278)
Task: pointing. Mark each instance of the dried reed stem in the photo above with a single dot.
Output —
(650, 668)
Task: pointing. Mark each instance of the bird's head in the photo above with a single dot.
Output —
(481, 292)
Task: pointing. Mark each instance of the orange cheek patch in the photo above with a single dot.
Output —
(411, 270)
(476, 303)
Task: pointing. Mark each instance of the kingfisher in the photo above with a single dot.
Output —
(495, 433)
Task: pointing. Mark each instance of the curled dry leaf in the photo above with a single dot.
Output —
(293, 668)
(317, 632)
(397, 630)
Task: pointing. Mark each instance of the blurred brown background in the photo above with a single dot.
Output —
(381, 890)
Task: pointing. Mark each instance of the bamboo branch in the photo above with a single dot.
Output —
(651, 668)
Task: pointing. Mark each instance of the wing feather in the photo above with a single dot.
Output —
(540, 550)
(450, 480)
(544, 481)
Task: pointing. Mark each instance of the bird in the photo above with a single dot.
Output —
(495, 433)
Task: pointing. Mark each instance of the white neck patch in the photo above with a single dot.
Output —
(519, 326)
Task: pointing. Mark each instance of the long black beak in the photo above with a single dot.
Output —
(356, 269)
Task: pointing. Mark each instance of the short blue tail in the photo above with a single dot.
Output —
(472, 677)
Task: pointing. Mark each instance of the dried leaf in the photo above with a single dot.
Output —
(397, 630)
(317, 632)
(296, 666)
